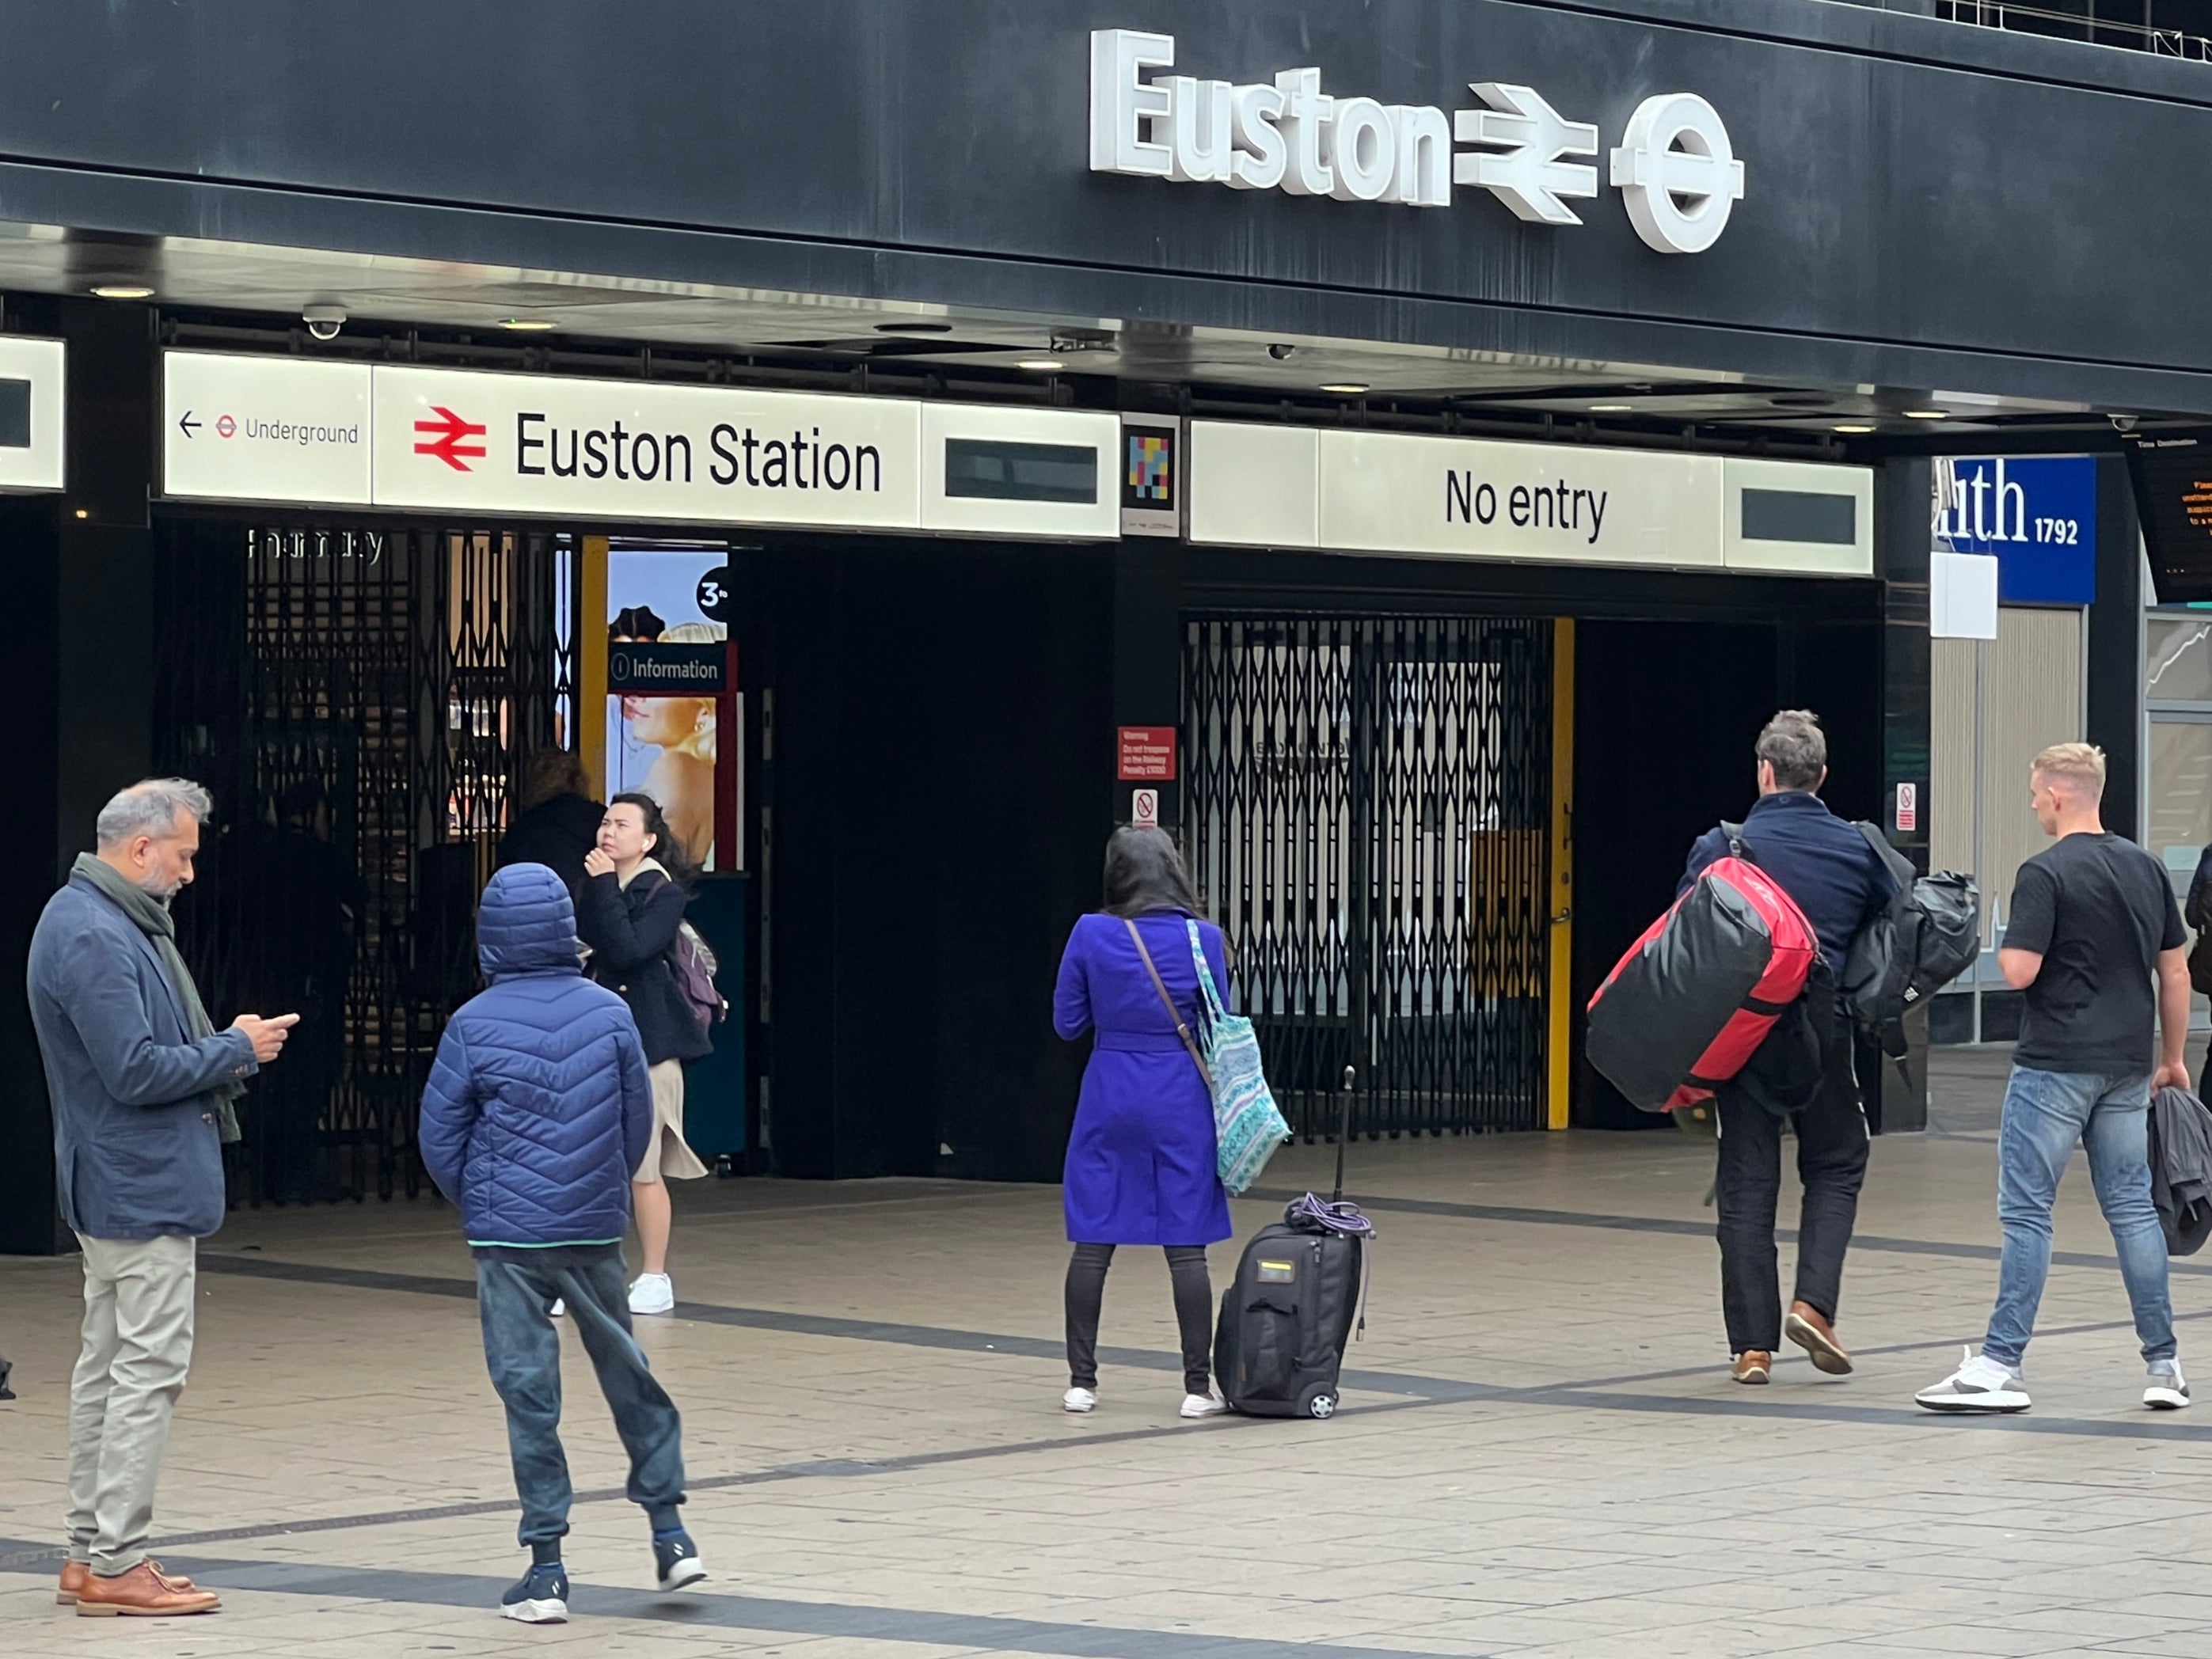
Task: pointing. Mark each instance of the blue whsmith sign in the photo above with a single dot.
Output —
(2037, 514)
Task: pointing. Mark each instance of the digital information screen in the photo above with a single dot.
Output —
(2172, 476)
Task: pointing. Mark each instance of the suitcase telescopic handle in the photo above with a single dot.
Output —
(1344, 1130)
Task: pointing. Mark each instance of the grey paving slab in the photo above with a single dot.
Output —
(1540, 1453)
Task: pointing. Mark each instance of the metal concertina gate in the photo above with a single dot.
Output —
(359, 699)
(1367, 809)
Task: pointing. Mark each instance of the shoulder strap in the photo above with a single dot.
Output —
(1174, 1013)
(1209, 993)
(1733, 834)
(1902, 875)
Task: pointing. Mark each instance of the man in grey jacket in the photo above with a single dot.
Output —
(142, 1088)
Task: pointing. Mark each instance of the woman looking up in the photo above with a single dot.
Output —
(1140, 1161)
(635, 885)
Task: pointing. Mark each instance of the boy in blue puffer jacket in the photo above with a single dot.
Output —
(538, 1111)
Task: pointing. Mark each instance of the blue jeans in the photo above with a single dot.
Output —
(514, 1301)
(2045, 1113)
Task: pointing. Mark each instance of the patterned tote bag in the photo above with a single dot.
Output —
(1247, 1127)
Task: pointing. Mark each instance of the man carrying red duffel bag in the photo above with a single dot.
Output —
(1724, 998)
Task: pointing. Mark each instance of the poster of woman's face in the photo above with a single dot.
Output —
(664, 747)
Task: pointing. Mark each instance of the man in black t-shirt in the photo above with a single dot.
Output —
(2094, 924)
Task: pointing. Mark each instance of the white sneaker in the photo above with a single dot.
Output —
(560, 1308)
(1980, 1384)
(1078, 1400)
(2165, 1390)
(653, 1293)
(1204, 1405)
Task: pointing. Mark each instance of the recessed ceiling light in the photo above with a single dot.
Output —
(914, 328)
(1346, 388)
(1927, 414)
(1040, 365)
(1612, 408)
(525, 324)
(122, 291)
(1854, 427)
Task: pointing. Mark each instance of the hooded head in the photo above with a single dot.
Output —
(526, 924)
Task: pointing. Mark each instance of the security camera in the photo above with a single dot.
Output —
(2123, 423)
(323, 322)
(1280, 352)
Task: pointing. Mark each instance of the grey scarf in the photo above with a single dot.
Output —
(153, 918)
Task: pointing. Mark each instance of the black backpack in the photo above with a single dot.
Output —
(1930, 934)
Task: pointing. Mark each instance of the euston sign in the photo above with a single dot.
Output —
(1675, 166)
(387, 434)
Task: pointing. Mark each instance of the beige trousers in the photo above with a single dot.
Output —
(138, 1346)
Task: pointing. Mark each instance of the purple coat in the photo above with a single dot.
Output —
(1140, 1161)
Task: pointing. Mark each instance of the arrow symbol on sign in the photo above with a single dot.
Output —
(187, 425)
(446, 434)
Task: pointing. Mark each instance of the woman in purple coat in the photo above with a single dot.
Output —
(1140, 1161)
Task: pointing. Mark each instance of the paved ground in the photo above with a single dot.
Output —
(1540, 1454)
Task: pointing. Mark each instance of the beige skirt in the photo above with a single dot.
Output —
(668, 1156)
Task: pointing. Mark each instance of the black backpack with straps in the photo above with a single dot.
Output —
(1930, 935)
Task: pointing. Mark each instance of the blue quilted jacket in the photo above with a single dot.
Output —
(537, 1109)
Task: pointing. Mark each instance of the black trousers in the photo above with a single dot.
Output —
(1193, 1306)
(1831, 1159)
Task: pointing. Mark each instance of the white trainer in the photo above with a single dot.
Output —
(1204, 1405)
(2165, 1390)
(1980, 1384)
(560, 1308)
(653, 1293)
(1078, 1400)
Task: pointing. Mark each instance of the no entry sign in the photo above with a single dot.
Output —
(1145, 754)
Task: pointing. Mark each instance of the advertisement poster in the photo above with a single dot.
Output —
(673, 732)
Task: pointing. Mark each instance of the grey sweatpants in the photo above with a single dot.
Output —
(137, 1344)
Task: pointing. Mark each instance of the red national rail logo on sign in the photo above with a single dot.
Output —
(446, 434)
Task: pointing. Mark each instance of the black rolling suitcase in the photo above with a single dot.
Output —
(1299, 1290)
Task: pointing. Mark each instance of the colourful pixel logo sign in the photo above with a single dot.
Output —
(1148, 483)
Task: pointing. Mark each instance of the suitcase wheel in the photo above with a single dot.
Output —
(1321, 1403)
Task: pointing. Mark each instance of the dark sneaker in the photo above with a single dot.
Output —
(678, 1559)
(1810, 1330)
(1980, 1384)
(2165, 1390)
(542, 1597)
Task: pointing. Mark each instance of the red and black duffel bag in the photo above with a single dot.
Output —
(1694, 999)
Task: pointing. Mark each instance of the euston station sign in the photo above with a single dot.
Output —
(389, 435)
(1675, 168)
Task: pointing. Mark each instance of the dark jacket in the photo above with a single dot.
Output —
(2198, 912)
(632, 932)
(2181, 1170)
(557, 833)
(538, 1107)
(135, 1150)
(1820, 861)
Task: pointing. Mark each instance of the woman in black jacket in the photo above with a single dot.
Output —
(629, 914)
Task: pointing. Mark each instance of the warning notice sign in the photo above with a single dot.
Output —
(1145, 754)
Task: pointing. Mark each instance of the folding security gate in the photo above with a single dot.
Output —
(358, 698)
(1368, 810)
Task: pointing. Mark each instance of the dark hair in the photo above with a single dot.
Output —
(548, 774)
(668, 852)
(1144, 874)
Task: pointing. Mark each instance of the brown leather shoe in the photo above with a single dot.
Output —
(1754, 1366)
(1810, 1330)
(143, 1592)
(73, 1574)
